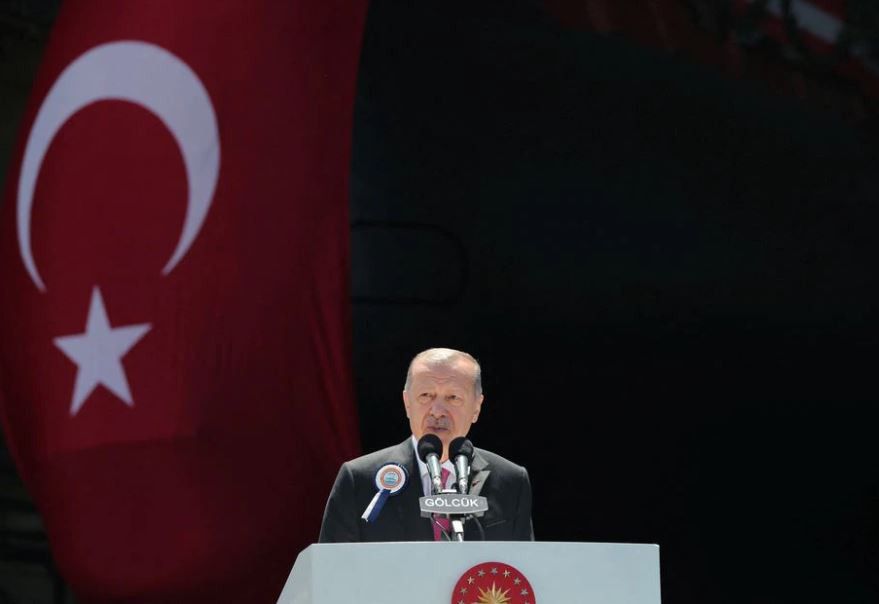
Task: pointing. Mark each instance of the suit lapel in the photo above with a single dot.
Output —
(479, 473)
(415, 528)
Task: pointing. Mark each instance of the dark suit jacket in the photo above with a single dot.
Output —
(503, 483)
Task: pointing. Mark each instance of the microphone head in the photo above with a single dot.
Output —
(427, 444)
(461, 446)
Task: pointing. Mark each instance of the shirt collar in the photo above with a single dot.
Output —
(422, 467)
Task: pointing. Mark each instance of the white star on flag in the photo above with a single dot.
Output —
(98, 354)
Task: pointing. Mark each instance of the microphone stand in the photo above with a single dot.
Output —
(456, 521)
(462, 472)
(457, 529)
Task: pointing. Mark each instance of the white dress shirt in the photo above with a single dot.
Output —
(425, 474)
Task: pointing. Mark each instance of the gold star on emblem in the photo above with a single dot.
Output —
(463, 590)
(481, 573)
(494, 571)
(524, 592)
(517, 580)
(493, 596)
(470, 580)
(506, 574)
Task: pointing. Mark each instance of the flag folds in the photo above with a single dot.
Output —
(174, 359)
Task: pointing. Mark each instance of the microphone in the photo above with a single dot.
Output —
(430, 448)
(461, 452)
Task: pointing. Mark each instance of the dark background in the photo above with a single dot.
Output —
(667, 275)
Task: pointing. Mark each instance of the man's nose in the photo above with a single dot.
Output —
(438, 407)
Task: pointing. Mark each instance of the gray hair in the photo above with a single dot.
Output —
(445, 358)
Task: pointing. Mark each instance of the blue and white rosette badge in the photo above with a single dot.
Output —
(389, 480)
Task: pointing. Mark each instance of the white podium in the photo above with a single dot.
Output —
(428, 573)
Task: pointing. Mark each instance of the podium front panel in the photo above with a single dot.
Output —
(391, 573)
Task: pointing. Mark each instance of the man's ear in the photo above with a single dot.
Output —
(478, 408)
(406, 403)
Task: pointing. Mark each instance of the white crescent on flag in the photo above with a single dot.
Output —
(151, 77)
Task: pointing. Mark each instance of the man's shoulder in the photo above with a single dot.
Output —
(400, 453)
(495, 461)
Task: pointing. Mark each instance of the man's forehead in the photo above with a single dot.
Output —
(458, 370)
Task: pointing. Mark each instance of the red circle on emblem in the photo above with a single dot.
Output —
(493, 583)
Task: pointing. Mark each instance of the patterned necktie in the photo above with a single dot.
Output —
(441, 521)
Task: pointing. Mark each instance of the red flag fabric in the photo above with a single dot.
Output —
(174, 311)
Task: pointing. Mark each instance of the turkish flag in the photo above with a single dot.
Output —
(174, 362)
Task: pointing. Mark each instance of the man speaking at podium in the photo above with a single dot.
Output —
(443, 397)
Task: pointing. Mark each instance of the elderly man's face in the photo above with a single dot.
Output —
(442, 401)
